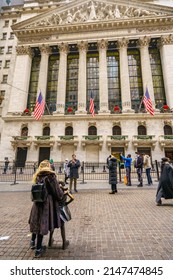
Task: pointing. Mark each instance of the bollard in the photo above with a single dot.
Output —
(157, 170)
(92, 169)
(104, 168)
(60, 171)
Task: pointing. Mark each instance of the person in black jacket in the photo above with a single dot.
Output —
(139, 168)
(112, 165)
(165, 187)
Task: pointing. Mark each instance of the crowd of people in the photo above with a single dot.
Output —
(46, 217)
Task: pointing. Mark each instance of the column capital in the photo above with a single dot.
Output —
(63, 48)
(165, 40)
(45, 49)
(144, 41)
(83, 46)
(122, 43)
(102, 44)
(24, 50)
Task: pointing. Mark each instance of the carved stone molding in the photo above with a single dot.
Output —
(116, 124)
(45, 49)
(102, 44)
(122, 43)
(63, 47)
(24, 50)
(144, 41)
(91, 124)
(83, 46)
(166, 40)
(168, 123)
(142, 123)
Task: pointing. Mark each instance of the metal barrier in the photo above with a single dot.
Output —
(87, 172)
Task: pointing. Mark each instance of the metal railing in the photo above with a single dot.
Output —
(88, 171)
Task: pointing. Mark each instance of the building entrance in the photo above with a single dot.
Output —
(44, 153)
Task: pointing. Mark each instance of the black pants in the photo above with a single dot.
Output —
(39, 240)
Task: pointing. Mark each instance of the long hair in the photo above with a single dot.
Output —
(43, 167)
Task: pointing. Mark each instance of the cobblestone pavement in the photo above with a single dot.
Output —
(124, 226)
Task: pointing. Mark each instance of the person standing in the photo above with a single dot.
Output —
(74, 165)
(112, 165)
(128, 162)
(147, 166)
(45, 216)
(139, 168)
(66, 170)
(165, 187)
(6, 164)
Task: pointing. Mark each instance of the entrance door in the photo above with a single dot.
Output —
(21, 156)
(169, 153)
(147, 151)
(44, 153)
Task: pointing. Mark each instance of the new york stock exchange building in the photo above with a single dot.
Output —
(71, 50)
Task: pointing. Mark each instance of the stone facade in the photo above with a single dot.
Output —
(81, 23)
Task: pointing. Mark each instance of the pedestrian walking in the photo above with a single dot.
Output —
(6, 164)
(112, 165)
(139, 168)
(52, 165)
(147, 166)
(66, 170)
(45, 216)
(74, 165)
(128, 162)
(165, 187)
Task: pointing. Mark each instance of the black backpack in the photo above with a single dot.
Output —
(39, 192)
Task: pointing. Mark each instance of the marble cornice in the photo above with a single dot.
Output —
(140, 24)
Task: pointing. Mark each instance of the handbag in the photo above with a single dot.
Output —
(125, 180)
(65, 213)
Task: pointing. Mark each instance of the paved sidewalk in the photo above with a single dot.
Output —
(127, 225)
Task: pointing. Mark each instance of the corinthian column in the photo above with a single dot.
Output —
(42, 81)
(166, 53)
(124, 76)
(19, 90)
(103, 78)
(146, 67)
(62, 77)
(83, 46)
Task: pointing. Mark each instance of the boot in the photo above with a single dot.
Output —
(50, 243)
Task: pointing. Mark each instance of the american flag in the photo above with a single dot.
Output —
(147, 102)
(39, 107)
(91, 109)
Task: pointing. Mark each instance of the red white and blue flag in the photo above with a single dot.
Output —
(39, 107)
(91, 109)
(147, 102)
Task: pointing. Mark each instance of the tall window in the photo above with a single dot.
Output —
(142, 130)
(92, 130)
(69, 130)
(167, 130)
(72, 81)
(158, 84)
(114, 92)
(135, 78)
(46, 131)
(93, 76)
(116, 130)
(24, 131)
(33, 82)
(52, 82)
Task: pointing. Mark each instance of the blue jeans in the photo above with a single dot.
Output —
(148, 171)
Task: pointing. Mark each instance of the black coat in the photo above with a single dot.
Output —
(166, 182)
(112, 165)
(74, 169)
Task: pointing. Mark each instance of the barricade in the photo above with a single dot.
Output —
(89, 171)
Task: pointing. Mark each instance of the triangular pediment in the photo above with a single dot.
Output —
(84, 12)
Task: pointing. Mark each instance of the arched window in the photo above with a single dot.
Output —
(46, 130)
(92, 130)
(116, 130)
(167, 130)
(142, 130)
(24, 131)
(69, 130)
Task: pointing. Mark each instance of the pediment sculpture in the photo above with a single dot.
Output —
(94, 11)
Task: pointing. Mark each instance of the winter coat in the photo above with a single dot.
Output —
(74, 169)
(45, 217)
(147, 162)
(112, 165)
(166, 181)
(139, 162)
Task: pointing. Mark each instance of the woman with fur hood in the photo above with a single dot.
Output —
(45, 216)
